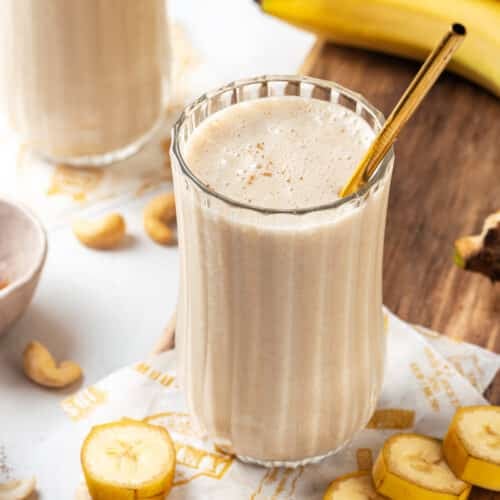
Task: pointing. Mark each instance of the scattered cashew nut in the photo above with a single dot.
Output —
(159, 214)
(102, 234)
(40, 367)
(18, 489)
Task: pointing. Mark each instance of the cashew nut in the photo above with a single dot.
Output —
(18, 489)
(102, 234)
(40, 366)
(159, 214)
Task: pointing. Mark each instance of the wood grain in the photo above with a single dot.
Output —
(446, 181)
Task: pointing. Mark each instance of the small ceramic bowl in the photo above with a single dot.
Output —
(23, 248)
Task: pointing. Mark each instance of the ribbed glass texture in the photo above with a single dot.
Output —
(279, 327)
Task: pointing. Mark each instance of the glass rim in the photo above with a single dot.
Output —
(379, 173)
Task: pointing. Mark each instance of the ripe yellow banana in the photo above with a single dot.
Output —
(412, 467)
(472, 446)
(406, 28)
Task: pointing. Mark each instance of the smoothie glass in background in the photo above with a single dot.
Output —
(279, 323)
(83, 81)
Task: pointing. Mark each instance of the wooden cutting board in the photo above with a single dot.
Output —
(446, 181)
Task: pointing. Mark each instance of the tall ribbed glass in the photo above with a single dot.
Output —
(84, 82)
(279, 325)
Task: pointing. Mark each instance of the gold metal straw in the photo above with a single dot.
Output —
(416, 91)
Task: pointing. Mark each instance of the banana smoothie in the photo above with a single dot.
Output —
(83, 80)
(280, 331)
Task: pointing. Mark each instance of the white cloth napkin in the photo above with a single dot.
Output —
(427, 378)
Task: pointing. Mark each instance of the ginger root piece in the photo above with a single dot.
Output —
(481, 253)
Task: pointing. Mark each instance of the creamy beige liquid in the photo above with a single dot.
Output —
(82, 77)
(280, 322)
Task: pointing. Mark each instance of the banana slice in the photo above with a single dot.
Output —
(412, 467)
(472, 446)
(82, 493)
(128, 460)
(18, 489)
(354, 486)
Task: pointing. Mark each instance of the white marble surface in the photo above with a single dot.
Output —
(101, 309)
(106, 309)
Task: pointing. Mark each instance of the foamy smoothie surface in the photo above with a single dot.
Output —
(279, 152)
